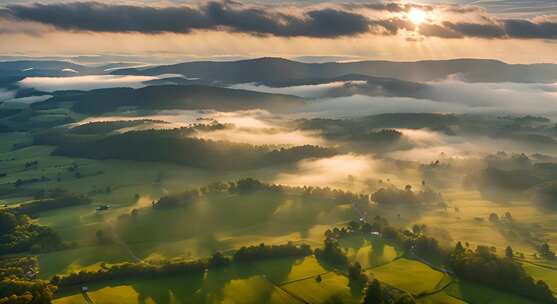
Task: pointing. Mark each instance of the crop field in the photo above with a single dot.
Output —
(232, 286)
(470, 223)
(334, 288)
(441, 297)
(545, 273)
(409, 275)
(473, 293)
(285, 271)
(368, 251)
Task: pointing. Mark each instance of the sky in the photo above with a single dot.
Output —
(515, 31)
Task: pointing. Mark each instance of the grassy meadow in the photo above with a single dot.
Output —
(219, 222)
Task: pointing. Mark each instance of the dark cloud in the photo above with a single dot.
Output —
(436, 30)
(318, 21)
(315, 23)
(393, 7)
(476, 29)
(93, 16)
(519, 29)
(527, 29)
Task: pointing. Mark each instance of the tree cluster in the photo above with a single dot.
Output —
(176, 146)
(17, 283)
(484, 266)
(392, 196)
(131, 270)
(377, 293)
(53, 199)
(262, 251)
(19, 234)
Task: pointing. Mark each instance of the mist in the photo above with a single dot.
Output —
(448, 96)
(353, 172)
(304, 91)
(51, 84)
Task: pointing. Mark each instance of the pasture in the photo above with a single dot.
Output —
(409, 275)
(215, 223)
(232, 285)
(369, 251)
(474, 293)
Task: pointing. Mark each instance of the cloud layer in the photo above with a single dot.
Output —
(449, 96)
(321, 21)
(51, 84)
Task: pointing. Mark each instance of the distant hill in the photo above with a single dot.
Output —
(193, 97)
(271, 71)
(46, 68)
(355, 84)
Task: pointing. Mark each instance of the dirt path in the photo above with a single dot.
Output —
(120, 242)
(87, 298)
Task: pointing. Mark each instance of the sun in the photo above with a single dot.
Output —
(417, 16)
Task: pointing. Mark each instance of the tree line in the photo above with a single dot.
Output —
(19, 234)
(18, 285)
(251, 185)
(481, 265)
(172, 267)
(176, 146)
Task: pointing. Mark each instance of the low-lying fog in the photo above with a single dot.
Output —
(449, 96)
(51, 84)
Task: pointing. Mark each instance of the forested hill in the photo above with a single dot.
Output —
(273, 70)
(193, 97)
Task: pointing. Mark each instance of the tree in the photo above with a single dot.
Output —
(373, 293)
(8, 222)
(546, 252)
(509, 252)
(459, 249)
(418, 229)
(218, 260)
(494, 218)
(406, 299)
(355, 272)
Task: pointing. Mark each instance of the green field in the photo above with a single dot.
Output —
(440, 298)
(474, 293)
(233, 285)
(285, 271)
(334, 288)
(408, 275)
(369, 251)
(545, 274)
(216, 223)
(463, 225)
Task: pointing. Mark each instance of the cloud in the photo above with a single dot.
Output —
(30, 99)
(305, 91)
(528, 29)
(317, 21)
(256, 127)
(449, 96)
(9, 97)
(101, 17)
(51, 84)
(349, 171)
(279, 137)
(6, 95)
(510, 98)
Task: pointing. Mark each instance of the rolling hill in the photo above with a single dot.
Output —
(277, 70)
